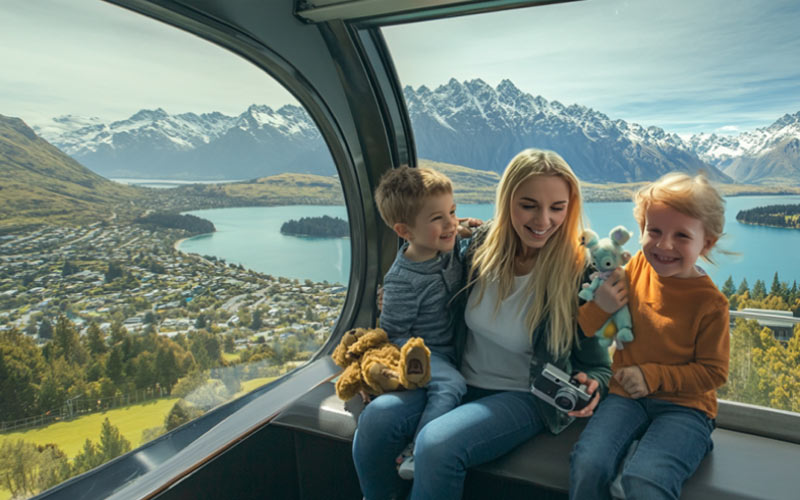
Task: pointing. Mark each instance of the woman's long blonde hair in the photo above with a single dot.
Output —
(555, 279)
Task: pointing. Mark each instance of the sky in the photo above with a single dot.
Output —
(722, 66)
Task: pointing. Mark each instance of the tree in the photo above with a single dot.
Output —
(775, 289)
(149, 318)
(743, 287)
(729, 288)
(26, 468)
(144, 365)
(113, 271)
(45, 329)
(115, 366)
(228, 344)
(244, 316)
(180, 413)
(743, 378)
(200, 322)
(66, 342)
(205, 347)
(21, 367)
(166, 367)
(87, 459)
(96, 340)
(759, 290)
(257, 322)
(779, 370)
(112, 443)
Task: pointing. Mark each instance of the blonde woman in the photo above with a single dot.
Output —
(519, 310)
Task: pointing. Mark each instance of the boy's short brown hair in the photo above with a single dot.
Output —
(402, 191)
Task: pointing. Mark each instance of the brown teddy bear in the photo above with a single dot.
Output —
(374, 365)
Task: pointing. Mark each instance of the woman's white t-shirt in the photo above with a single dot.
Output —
(498, 350)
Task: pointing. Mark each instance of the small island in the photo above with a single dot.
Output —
(318, 227)
(787, 216)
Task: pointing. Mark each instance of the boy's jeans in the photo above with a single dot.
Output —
(673, 440)
(444, 391)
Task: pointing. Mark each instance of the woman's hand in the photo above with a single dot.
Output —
(613, 293)
(591, 387)
(632, 380)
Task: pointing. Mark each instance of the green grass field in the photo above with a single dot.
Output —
(70, 436)
(131, 421)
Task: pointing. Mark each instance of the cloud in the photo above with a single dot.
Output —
(93, 58)
(680, 64)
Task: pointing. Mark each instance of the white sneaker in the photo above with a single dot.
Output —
(405, 462)
(406, 469)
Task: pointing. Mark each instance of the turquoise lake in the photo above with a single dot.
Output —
(251, 236)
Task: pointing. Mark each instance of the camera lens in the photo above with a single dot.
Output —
(565, 400)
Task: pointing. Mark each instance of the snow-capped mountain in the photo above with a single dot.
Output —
(152, 143)
(765, 155)
(474, 125)
(466, 123)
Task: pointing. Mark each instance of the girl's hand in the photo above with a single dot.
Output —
(632, 380)
(591, 387)
(379, 298)
(613, 293)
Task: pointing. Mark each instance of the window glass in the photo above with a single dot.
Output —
(625, 92)
(172, 235)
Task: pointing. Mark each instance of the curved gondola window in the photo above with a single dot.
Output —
(172, 235)
(625, 92)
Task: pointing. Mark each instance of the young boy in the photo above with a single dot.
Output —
(417, 203)
(663, 391)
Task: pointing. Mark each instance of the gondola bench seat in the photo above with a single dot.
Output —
(741, 466)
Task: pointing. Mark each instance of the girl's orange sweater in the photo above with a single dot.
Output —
(681, 336)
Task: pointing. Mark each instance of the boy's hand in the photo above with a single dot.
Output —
(613, 293)
(632, 380)
(465, 224)
(591, 386)
(364, 396)
(379, 298)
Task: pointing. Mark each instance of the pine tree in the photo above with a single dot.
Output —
(95, 340)
(759, 290)
(743, 287)
(112, 443)
(66, 342)
(87, 459)
(775, 289)
(729, 288)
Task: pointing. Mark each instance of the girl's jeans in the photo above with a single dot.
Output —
(673, 440)
(489, 424)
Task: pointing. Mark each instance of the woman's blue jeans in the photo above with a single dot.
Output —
(673, 440)
(487, 425)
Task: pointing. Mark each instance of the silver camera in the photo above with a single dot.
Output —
(560, 390)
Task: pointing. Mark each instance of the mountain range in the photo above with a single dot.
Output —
(465, 123)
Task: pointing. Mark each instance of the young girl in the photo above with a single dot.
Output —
(663, 389)
(520, 313)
